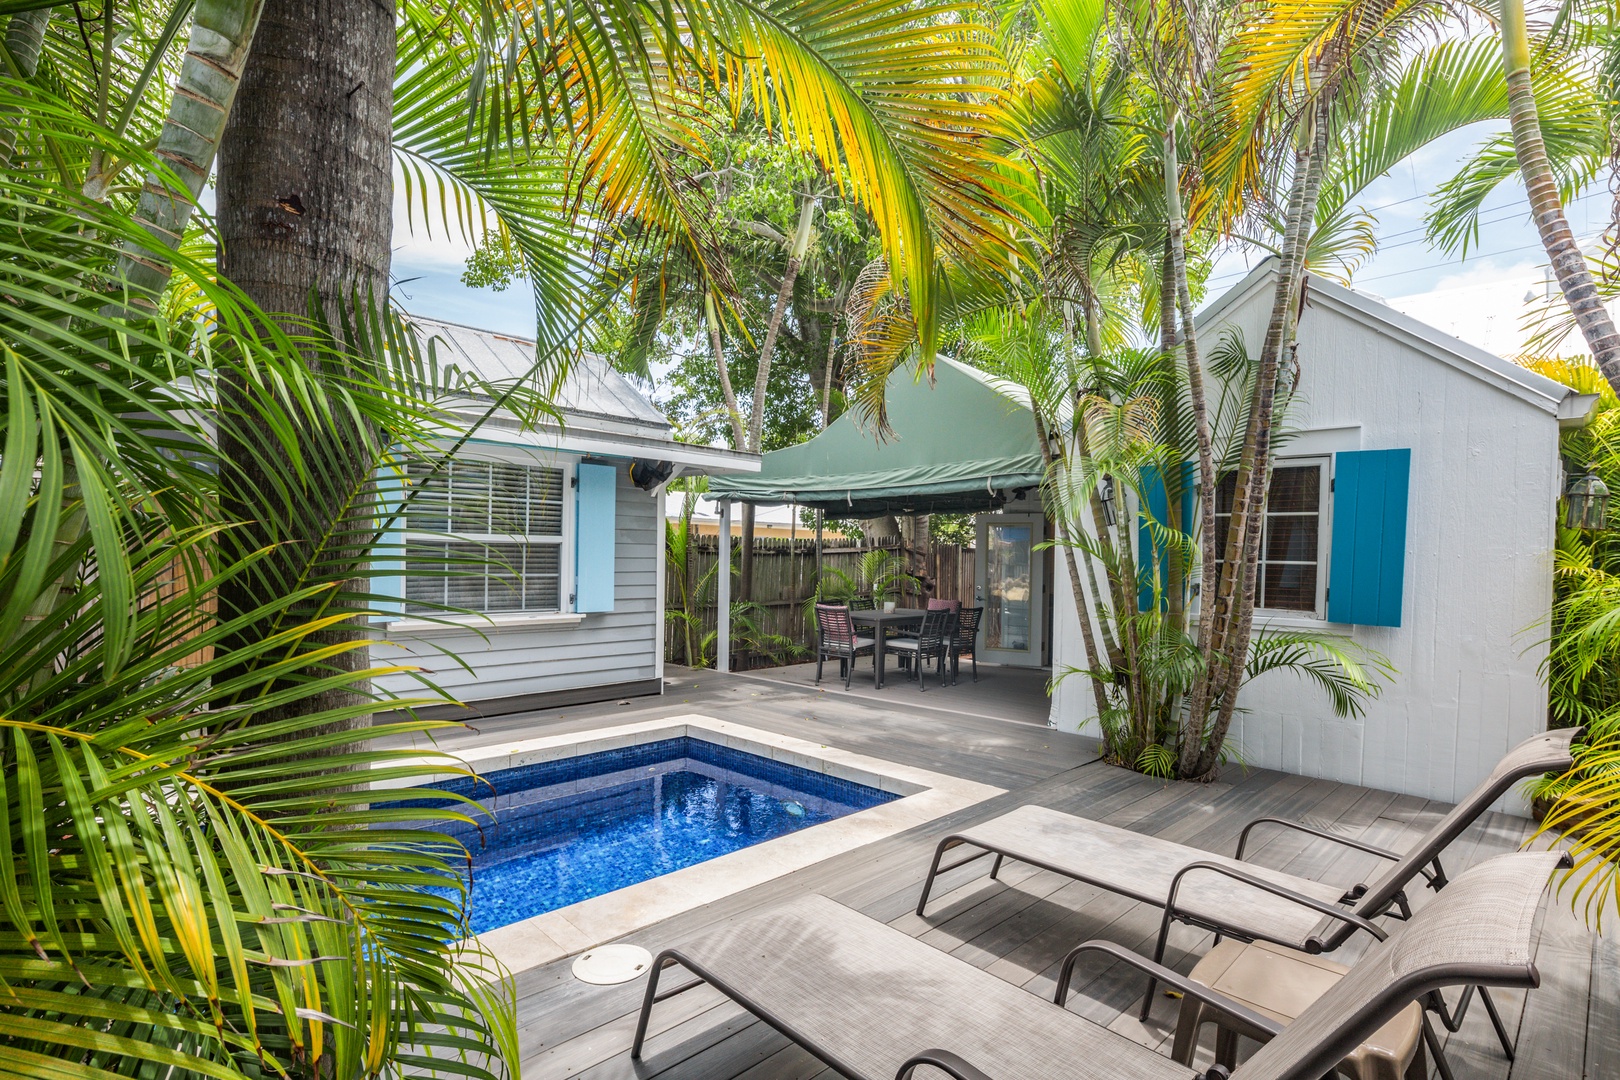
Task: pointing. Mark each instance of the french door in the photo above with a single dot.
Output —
(1010, 587)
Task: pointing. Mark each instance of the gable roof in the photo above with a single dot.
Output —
(602, 412)
(1536, 390)
(958, 442)
(593, 387)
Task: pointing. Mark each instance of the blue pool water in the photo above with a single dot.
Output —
(562, 831)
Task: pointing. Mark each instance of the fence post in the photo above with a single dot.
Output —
(722, 626)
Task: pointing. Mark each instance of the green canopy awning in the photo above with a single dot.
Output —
(958, 444)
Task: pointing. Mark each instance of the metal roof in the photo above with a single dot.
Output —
(602, 412)
(592, 388)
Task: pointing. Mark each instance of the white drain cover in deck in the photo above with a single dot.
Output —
(609, 964)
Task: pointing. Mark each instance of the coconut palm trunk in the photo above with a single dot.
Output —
(305, 202)
(1541, 187)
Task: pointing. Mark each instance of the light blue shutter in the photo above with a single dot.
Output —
(388, 557)
(1151, 556)
(594, 537)
(1367, 565)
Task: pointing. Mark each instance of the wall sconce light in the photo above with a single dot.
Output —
(1586, 502)
(1105, 493)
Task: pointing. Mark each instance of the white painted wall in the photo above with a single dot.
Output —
(1480, 533)
(519, 655)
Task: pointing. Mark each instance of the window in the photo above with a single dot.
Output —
(1292, 576)
(485, 536)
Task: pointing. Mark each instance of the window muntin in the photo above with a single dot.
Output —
(485, 536)
(1292, 569)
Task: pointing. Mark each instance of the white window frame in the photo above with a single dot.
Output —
(1324, 543)
(499, 455)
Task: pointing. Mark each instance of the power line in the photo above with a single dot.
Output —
(1382, 248)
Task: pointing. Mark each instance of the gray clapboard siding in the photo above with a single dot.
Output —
(1480, 531)
(603, 649)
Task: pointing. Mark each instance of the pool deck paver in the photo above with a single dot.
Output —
(1019, 928)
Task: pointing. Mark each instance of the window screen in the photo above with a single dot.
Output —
(1291, 543)
(485, 536)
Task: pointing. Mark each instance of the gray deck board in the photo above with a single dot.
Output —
(1018, 928)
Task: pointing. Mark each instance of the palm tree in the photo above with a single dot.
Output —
(1546, 210)
(174, 898)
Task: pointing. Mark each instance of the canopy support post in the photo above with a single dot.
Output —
(819, 517)
(722, 628)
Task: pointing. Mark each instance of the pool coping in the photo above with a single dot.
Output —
(924, 796)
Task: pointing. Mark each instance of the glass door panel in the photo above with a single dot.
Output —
(1009, 601)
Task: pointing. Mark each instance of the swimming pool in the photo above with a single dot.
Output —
(561, 831)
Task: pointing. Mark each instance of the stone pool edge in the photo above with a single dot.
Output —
(924, 796)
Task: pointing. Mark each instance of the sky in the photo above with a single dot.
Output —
(1480, 298)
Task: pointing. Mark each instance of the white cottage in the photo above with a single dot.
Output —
(576, 509)
(1422, 482)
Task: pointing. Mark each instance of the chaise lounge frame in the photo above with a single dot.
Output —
(852, 991)
(1283, 909)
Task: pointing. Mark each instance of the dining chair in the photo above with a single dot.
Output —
(933, 641)
(836, 637)
(963, 640)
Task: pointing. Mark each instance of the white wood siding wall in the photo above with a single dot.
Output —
(600, 649)
(1480, 534)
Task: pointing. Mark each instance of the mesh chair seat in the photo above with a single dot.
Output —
(866, 998)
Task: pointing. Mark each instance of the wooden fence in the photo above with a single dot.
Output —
(784, 579)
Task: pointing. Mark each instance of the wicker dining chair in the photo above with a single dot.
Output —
(963, 640)
(836, 637)
(933, 641)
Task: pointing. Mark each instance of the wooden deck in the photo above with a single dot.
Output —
(1020, 927)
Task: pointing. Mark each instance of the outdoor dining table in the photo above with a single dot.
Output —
(881, 621)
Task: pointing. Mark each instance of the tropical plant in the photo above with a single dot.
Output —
(1582, 667)
(178, 895)
(1546, 208)
(879, 576)
(679, 542)
(1121, 420)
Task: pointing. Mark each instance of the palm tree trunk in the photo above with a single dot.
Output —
(1082, 609)
(25, 35)
(756, 420)
(221, 33)
(1237, 599)
(1099, 518)
(305, 199)
(1176, 243)
(1541, 187)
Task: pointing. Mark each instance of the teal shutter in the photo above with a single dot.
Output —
(1367, 564)
(594, 537)
(1151, 556)
(388, 557)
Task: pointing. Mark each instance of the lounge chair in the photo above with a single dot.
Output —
(875, 1003)
(1233, 897)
